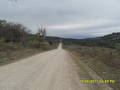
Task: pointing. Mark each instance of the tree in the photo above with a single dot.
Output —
(13, 32)
(41, 34)
(44, 33)
(3, 24)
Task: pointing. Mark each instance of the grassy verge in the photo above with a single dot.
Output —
(13, 52)
(104, 61)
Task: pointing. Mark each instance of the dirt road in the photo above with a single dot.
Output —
(52, 70)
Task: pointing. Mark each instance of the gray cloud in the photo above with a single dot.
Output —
(33, 13)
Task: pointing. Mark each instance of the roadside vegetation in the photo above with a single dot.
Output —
(16, 42)
(103, 59)
(108, 41)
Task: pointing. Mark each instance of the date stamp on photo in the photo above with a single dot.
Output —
(98, 81)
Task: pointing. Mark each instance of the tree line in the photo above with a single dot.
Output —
(17, 33)
(13, 32)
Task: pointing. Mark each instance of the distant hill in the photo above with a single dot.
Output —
(52, 38)
(105, 41)
(110, 40)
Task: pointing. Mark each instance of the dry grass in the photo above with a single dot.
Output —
(9, 54)
(104, 61)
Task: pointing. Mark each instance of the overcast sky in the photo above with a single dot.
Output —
(68, 18)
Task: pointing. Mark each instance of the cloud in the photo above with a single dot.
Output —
(63, 17)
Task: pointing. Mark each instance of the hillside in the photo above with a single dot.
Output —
(111, 40)
(101, 54)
